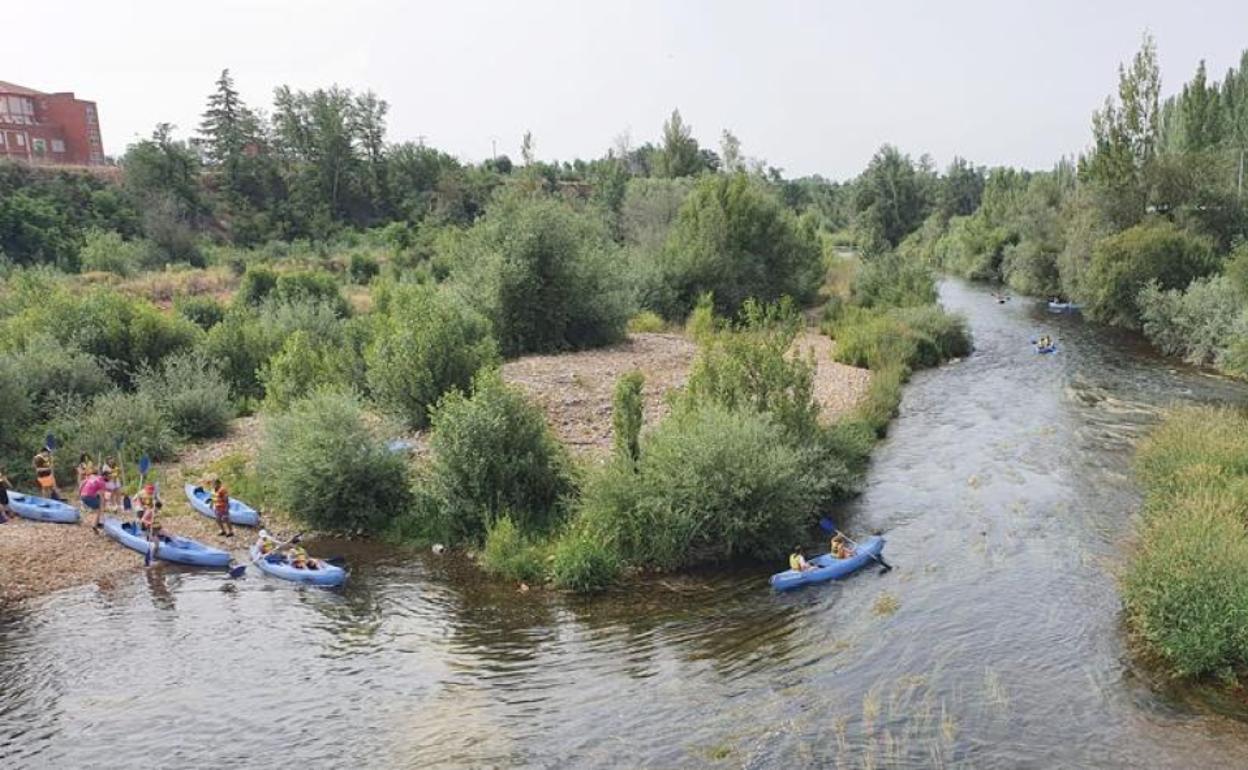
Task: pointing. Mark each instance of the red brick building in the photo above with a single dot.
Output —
(48, 128)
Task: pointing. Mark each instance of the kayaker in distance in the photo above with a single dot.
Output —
(90, 494)
(221, 507)
(45, 473)
(797, 560)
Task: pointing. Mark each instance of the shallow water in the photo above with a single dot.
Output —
(1004, 492)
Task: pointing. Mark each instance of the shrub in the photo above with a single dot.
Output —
(509, 554)
(891, 280)
(1200, 323)
(626, 416)
(545, 276)
(713, 484)
(190, 394)
(322, 463)
(310, 287)
(426, 345)
(912, 338)
(302, 365)
(1125, 263)
(112, 416)
(203, 311)
(364, 268)
(646, 322)
(256, 285)
(583, 562)
(492, 452)
(106, 251)
(49, 371)
(734, 239)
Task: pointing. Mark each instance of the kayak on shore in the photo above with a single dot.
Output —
(1062, 307)
(827, 567)
(42, 509)
(322, 573)
(241, 513)
(179, 550)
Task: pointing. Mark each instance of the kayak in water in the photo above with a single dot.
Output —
(318, 572)
(179, 550)
(240, 513)
(828, 567)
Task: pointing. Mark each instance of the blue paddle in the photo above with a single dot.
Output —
(829, 526)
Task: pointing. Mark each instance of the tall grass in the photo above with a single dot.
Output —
(1186, 582)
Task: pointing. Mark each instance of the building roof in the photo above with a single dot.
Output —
(13, 88)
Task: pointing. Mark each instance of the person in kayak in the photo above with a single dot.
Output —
(797, 560)
(841, 549)
(90, 494)
(221, 507)
(299, 559)
(5, 486)
(45, 473)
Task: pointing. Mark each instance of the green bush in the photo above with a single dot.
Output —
(426, 344)
(508, 553)
(190, 394)
(364, 268)
(1125, 263)
(713, 484)
(257, 284)
(116, 415)
(49, 372)
(106, 251)
(627, 412)
(891, 280)
(913, 337)
(203, 311)
(734, 239)
(322, 463)
(310, 287)
(492, 452)
(1186, 583)
(302, 365)
(646, 322)
(584, 563)
(547, 277)
(1200, 323)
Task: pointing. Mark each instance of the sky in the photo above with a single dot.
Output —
(810, 87)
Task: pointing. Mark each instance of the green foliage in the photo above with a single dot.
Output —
(748, 367)
(912, 338)
(190, 394)
(545, 276)
(679, 155)
(427, 344)
(734, 239)
(363, 268)
(509, 554)
(584, 563)
(1125, 263)
(493, 453)
(302, 365)
(626, 416)
(712, 485)
(104, 250)
(646, 322)
(201, 310)
(309, 287)
(323, 464)
(50, 373)
(258, 282)
(888, 201)
(131, 416)
(1200, 323)
(892, 280)
(1186, 584)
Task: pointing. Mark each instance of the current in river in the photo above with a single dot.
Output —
(1004, 490)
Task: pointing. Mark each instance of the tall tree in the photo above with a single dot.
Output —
(527, 149)
(730, 151)
(679, 155)
(888, 200)
(223, 128)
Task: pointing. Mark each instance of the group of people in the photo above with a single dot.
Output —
(840, 548)
(1045, 342)
(296, 556)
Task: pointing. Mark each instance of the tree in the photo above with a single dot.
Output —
(960, 189)
(223, 129)
(730, 152)
(679, 155)
(526, 148)
(888, 200)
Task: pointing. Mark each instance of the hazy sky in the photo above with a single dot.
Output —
(812, 87)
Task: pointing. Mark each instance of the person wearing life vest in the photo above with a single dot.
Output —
(797, 561)
(299, 558)
(5, 486)
(145, 505)
(221, 507)
(841, 548)
(45, 473)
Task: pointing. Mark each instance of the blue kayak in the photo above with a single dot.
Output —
(240, 513)
(42, 509)
(1062, 307)
(827, 567)
(179, 550)
(275, 564)
(1046, 350)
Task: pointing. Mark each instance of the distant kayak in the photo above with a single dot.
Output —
(240, 513)
(276, 564)
(1045, 350)
(42, 509)
(1062, 307)
(179, 550)
(827, 567)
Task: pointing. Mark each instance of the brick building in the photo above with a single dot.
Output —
(48, 128)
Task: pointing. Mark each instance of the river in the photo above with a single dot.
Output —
(1005, 493)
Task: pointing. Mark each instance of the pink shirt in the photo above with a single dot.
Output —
(92, 486)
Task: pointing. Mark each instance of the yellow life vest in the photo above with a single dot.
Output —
(795, 562)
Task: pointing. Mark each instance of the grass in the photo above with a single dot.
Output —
(1185, 586)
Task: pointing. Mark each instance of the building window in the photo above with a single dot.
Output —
(1, 138)
(21, 140)
(39, 146)
(58, 145)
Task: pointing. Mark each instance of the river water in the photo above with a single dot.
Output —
(1003, 488)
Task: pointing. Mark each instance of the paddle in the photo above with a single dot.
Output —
(298, 536)
(827, 525)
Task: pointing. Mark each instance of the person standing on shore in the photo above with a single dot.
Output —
(45, 473)
(90, 495)
(221, 507)
(5, 486)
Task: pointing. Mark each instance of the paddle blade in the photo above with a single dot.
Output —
(145, 464)
(827, 525)
(49, 442)
(237, 570)
(147, 556)
(126, 504)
